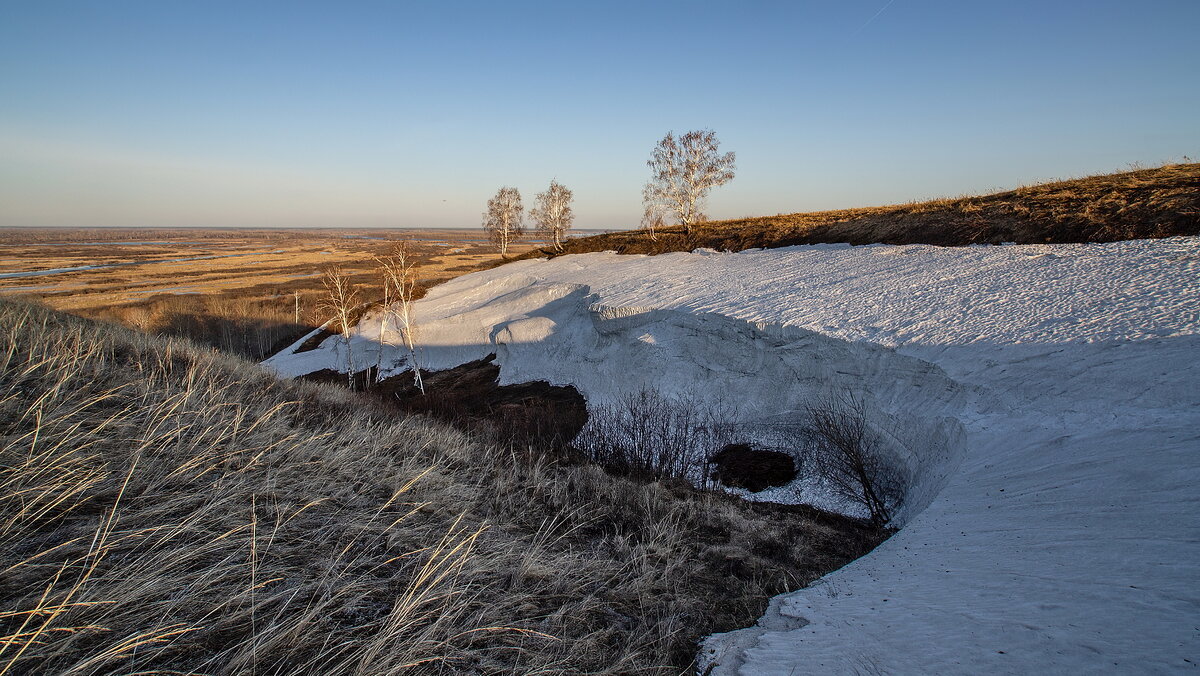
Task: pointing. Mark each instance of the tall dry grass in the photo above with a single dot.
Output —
(157, 510)
(167, 509)
(251, 326)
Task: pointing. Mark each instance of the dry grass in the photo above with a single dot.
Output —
(247, 292)
(167, 509)
(1146, 203)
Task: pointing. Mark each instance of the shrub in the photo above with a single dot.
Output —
(849, 455)
(651, 436)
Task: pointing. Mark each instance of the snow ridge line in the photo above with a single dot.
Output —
(603, 314)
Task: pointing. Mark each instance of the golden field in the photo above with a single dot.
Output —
(244, 291)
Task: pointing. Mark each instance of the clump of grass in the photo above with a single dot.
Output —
(165, 508)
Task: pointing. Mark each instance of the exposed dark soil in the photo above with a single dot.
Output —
(742, 466)
(535, 413)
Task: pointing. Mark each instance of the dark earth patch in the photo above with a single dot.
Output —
(535, 413)
(742, 466)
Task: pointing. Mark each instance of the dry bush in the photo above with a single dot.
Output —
(651, 436)
(849, 455)
(167, 509)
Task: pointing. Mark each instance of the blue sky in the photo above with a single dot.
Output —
(393, 114)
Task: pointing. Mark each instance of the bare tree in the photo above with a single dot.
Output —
(653, 217)
(341, 300)
(683, 171)
(400, 282)
(848, 454)
(553, 213)
(503, 218)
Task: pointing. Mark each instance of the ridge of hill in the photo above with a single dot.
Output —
(1140, 204)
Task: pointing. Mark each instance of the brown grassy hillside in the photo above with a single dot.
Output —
(1147, 203)
(168, 509)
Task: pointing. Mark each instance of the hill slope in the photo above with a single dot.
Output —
(165, 509)
(1139, 204)
(1043, 396)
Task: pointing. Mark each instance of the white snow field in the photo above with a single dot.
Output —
(1045, 398)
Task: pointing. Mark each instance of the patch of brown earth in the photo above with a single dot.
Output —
(469, 395)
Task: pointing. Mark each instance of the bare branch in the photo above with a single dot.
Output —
(850, 456)
(398, 270)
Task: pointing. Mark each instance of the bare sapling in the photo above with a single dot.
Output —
(850, 456)
(399, 289)
(684, 170)
(652, 216)
(384, 312)
(341, 300)
(503, 218)
(553, 213)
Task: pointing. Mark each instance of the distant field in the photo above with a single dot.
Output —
(89, 269)
(243, 291)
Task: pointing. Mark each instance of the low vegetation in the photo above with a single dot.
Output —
(253, 327)
(651, 436)
(1146, 203)
(849, 455)
(168, 509)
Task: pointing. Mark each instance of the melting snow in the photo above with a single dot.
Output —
(1045, 398)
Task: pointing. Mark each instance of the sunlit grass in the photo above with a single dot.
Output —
(168, 509)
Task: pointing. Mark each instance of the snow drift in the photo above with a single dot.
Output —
(1043, 397)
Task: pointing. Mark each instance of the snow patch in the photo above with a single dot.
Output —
(1044, 395)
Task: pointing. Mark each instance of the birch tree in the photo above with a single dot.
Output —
(653, 215)
(400, 283)
(503, 219)
(553, 213)
(683, 171)
(341, 300)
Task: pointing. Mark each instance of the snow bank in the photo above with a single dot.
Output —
(765, 373)
(1045, 395)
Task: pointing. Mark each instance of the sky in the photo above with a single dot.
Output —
(406, 114)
